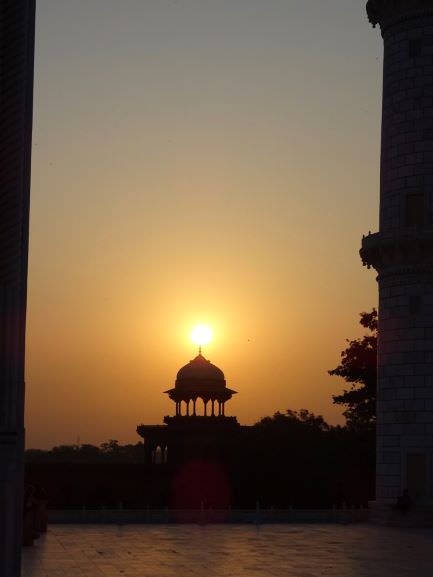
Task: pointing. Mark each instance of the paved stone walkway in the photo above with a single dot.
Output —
(230, 551)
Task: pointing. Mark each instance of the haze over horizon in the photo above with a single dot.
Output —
(197, 161)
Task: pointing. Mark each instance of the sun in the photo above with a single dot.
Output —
(201, 335)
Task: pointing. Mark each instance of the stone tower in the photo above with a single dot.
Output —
(402, 254)
(17, 27)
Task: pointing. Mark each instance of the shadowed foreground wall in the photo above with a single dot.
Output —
(17, 25)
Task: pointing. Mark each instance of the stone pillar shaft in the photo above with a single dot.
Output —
(17, 26)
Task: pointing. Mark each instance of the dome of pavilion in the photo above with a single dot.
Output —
(200, 379)
(200, 371)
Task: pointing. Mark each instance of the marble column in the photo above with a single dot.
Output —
(17, 27)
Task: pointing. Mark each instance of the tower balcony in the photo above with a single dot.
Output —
(387, 12)
(406, 248)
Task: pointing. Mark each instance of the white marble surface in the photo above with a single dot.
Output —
(230, 551)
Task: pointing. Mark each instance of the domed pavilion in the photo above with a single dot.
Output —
(199, 429)
(200, 379)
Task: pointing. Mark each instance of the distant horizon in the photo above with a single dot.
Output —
(197, 162)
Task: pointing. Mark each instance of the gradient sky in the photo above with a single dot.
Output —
(210, 161)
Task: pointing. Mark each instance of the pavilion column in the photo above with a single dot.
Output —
(205, 407)
(223, 408)
(193, 406)
(187, 408)
(213, 407)
(17, 25)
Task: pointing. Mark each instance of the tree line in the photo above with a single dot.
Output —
(292, 458)
(357, 367)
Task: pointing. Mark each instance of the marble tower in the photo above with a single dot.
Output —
(402, 254)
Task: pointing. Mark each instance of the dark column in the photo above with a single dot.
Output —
(17, 27)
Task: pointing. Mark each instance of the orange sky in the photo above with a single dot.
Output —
(196, 161)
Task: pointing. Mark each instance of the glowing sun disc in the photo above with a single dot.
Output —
(201, 335)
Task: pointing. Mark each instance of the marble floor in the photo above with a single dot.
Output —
(230, 551)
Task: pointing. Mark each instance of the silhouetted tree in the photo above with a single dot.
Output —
(111, 447)
(65, 451)
(288, 457)
(108, 452)
(359, 368)
(88, 452)
(302, 418)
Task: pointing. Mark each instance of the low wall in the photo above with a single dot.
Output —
(251, 516)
